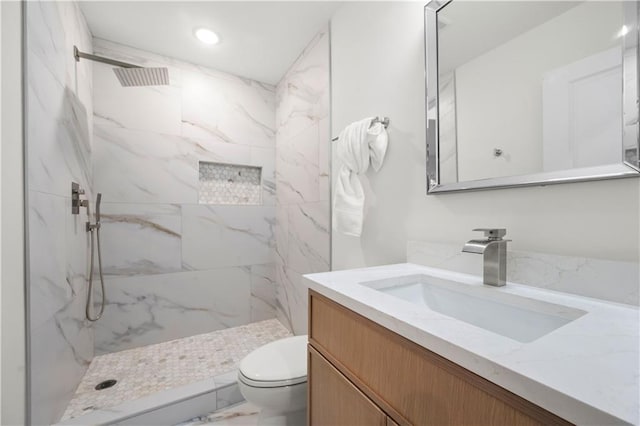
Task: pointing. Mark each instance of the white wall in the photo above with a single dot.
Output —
(377, 54)
(499, 93)
(12, 317)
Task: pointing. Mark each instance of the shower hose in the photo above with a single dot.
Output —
(91, 229)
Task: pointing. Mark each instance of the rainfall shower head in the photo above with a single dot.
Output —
(129, 75)
(142, 76)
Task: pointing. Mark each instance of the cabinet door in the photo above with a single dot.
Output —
(334, 401)
(409, 381)
(390, 422)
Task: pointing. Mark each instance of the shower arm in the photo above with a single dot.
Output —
(78, 54)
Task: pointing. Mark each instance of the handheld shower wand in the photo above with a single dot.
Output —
(91, 228)
(98, 201)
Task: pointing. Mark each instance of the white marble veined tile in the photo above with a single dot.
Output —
(228, 396)
(602, 279)
(324, 159)
(297, 173)
(143, 310)
(245, 414)
(61, 339)
(217, 236)
(231, 377)
(58, 135)
(50, 291)
(58, 273)
(46, 37)
(265, 90)
(615, 281)
(303, 145)
(302, 179)
(76, 121)
(235, 113)
(282, 233)
(141, 239)
(78, 246)
(263, 292)
(308, 237)
(145, 209)
(53, 28)
(59, 123)
(143, 167)
(302, 96)
(79, 74)
(56, 368)
(266, 158)
(216, 150)
(291, 300)
(78, 242)
(151, 108)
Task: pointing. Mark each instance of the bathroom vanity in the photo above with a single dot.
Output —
(387, 346)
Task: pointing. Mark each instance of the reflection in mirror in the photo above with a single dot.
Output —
(530, 87)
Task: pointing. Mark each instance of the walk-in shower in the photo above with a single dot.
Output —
(198, 248)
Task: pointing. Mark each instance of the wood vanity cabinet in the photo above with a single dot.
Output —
(361, 373)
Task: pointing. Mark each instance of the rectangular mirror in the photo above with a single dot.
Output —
(530, 92)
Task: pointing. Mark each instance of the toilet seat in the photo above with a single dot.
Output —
(276, 364)
(271, 383)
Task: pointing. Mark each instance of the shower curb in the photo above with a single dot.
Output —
(168, 407)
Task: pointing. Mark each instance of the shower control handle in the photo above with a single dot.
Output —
(76, 202)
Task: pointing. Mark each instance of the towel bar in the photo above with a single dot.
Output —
(384, 121)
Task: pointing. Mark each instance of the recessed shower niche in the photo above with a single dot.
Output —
(220, 183)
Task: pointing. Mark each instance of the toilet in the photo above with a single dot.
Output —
(274, 378)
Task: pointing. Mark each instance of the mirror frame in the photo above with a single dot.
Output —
(630, 96)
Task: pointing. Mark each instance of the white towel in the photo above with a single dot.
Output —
(359, 144)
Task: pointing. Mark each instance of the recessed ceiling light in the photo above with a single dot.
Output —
(206, 36)
(623, 31)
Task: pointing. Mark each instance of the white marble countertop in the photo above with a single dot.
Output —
(586, 371)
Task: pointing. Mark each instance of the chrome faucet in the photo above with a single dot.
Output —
(494, 254)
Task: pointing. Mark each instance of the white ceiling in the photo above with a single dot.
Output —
(259, 40)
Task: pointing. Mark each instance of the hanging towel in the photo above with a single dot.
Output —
(359, 145)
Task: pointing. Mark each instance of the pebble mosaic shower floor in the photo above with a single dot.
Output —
(154, 368)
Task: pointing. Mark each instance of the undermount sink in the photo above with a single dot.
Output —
(519, 318)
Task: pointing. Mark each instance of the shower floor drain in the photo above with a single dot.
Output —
(106, 384)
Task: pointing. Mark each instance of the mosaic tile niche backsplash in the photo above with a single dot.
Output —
(220, 183)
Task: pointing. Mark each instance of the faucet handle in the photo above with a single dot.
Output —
(493, 233)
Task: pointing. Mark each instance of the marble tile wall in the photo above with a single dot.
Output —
(302, 176)
(59, 148)
(175, 267)
(615, 281)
